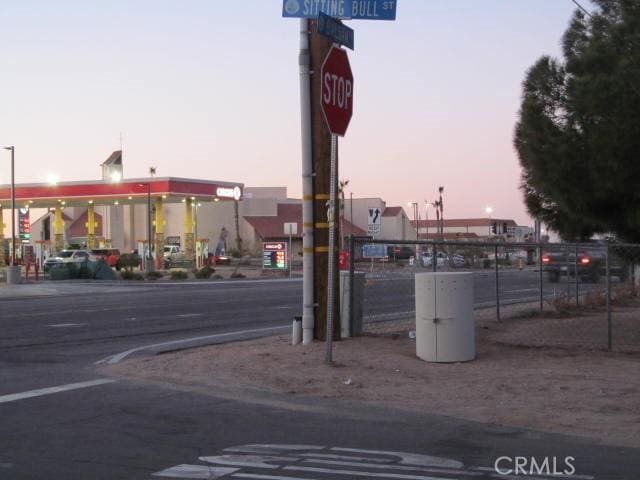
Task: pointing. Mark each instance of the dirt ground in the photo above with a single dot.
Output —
(593, 394)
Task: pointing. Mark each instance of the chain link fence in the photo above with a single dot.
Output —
(536, 295)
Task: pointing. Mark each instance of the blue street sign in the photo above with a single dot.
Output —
(343, 9)
(373, 9)
(336, 31)
(311, 8)
(374, 250)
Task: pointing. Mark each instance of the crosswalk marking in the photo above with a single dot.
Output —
(314, 462)
(356, 473)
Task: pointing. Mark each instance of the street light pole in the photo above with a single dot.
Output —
(13, 206)
(149, 265)
(148, 256)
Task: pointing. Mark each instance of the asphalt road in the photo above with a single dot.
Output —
(86, 427)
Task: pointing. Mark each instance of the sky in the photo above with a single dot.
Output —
(210, 89)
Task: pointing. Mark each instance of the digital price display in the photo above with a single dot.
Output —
(274, 255)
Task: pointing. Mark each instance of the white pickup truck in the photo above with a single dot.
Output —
(173, 256)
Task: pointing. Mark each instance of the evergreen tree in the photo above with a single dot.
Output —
(578, 134)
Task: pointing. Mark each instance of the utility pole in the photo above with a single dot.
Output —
(319, 47)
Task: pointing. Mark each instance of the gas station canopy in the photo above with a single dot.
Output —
(124, 192)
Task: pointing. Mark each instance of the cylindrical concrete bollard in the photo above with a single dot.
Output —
(445, 329)
(296, 334)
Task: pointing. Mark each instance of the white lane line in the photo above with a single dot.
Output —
(195, 471)
(346, 458)
(412, 459)
(256, 476)
(65, 325)
(363, 474)
(48, 391)
(176, 343)
(189, 315)
(403, 468)
(543, 477)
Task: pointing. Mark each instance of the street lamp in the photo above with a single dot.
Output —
(489, 211)
(415, 215)
(426, 217)
(149, 257)
(13, 206)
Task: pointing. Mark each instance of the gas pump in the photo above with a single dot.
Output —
(142, 253)
(42, 251)
(202, 251)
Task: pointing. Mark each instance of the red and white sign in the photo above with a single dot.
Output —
(337, 91)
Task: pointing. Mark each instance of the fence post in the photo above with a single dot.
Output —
(609, 326)
(352, 268)
(434, 259)
(567, 264)
(576, 276)
(541, 280)
(497, 283)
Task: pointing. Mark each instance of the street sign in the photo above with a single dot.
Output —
(375, 221)
(336, 94)
(336, 31)
(274, 255)
(374, 250)
(290, 228)
(311, 8)
(343, 9)
(373, 9)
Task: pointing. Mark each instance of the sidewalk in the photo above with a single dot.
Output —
(49, 288)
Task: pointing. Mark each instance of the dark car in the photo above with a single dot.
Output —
(400, 252)
(590, 265)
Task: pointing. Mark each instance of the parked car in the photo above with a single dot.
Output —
(400, 252)
(68, 256)
(173, 256)
(457, 260)
(427, 259)
(109, 255)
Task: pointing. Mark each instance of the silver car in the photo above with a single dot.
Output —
(68, 256)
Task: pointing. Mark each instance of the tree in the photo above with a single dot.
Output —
(578, 133)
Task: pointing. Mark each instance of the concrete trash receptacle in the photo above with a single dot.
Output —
(349, 330)
(445, 329)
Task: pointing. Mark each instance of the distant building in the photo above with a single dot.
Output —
(480, 229)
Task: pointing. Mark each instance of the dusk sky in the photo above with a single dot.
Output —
(209, 89)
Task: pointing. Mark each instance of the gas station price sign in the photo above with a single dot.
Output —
(274, 256)
(24, 224)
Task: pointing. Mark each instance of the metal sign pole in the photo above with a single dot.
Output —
(332, 249)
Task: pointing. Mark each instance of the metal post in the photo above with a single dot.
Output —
(495, 255)
(609, 325)
(289, 253)
(13, 207)
(434, 258)
(352, 269)
(304, 60)
(149, 265)
(576, 276)
(332, 250)
(541, 279)
(566, 264)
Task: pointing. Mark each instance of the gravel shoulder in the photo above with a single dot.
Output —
(591, 394)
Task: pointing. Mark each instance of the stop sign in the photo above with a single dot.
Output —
(337, 90)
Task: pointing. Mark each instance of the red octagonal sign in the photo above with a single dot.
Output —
(337, 91)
